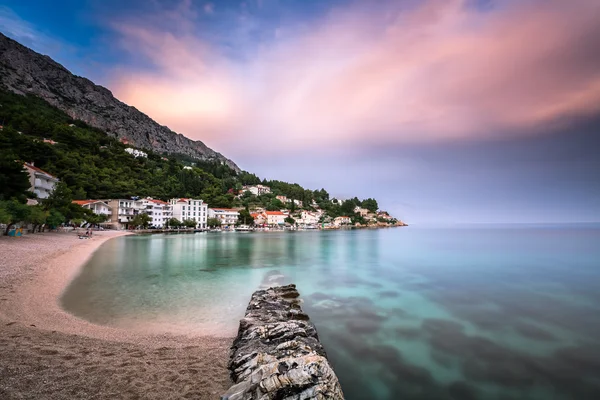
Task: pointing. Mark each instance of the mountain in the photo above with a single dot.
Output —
(23, 71)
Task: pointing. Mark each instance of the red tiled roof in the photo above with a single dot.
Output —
(274, 213)
(157, 201)
(85, 202)
(38, 170)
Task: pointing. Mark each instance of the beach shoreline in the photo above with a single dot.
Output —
(73, 356)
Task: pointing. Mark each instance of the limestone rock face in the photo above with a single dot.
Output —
(24, 71)
(277, 354)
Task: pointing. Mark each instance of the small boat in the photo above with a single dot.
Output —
(242, 228)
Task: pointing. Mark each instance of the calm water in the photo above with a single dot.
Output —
(409, 313)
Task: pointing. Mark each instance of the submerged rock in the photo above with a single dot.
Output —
(277, 353)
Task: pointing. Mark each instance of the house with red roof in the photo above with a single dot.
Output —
(41, 182)
(97, 206)
(275, 217)
(160, 211)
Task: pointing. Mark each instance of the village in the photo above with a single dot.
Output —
(196, 214)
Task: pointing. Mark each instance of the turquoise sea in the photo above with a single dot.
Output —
(472, 312)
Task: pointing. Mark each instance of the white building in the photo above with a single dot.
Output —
(275, 217)
(158, 210)
(97, 206)
(257, 190)
(227, 216)
(362, 211)
(41, 182)
(136, 153)
(282, 199)
(194, 209)
(308, 218)
(343, 220)
(123, 211)
(259, 218)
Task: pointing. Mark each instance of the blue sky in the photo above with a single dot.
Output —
(443, 111)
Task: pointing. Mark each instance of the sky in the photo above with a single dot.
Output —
(445, 111)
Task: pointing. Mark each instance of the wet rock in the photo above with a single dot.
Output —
(277, 353)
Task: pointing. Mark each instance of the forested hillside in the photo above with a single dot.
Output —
(94, 165)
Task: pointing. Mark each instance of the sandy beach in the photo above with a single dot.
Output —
(50, 354)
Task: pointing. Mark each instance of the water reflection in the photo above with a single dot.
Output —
(406, 313)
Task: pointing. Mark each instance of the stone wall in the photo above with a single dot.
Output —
(277, 353)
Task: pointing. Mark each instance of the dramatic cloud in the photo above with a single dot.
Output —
(440, 70)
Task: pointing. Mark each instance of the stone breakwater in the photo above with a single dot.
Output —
(277, 353)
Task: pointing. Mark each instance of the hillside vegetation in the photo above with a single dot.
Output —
(93, 165)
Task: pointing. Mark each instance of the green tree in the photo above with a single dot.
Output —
(290, 220)
(275, 205)
(95, 219)
(370, 204)
(142, 220)
(61, 200)
(16, 211)
(245, 218)
(37, 217)
(189, 223)
(213, 222)
(55, 218)
(174, 223)
(14, 180)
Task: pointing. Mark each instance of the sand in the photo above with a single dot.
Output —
(46, 353)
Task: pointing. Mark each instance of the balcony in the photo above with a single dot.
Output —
(43, 184)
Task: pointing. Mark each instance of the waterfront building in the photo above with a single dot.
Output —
(227, 216)
(194, 209)
(307, 218)
(158, 210)
(123, 211)
(275, 217)
(343, 220)
(259, 218)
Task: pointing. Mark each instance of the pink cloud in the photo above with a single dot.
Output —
(439, 71)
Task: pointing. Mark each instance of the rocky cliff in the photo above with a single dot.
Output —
(22, 70)
(277, 353)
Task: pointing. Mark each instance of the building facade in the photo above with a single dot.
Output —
(123, 211)
(307, 218)
(194, 209)
(136, 153)
(158, 210)
(275, 217)
(257, 190)
(41, 182)
(343, 220)
(227, 216)
(97, 206)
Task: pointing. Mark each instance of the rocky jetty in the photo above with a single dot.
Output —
(277, 353)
